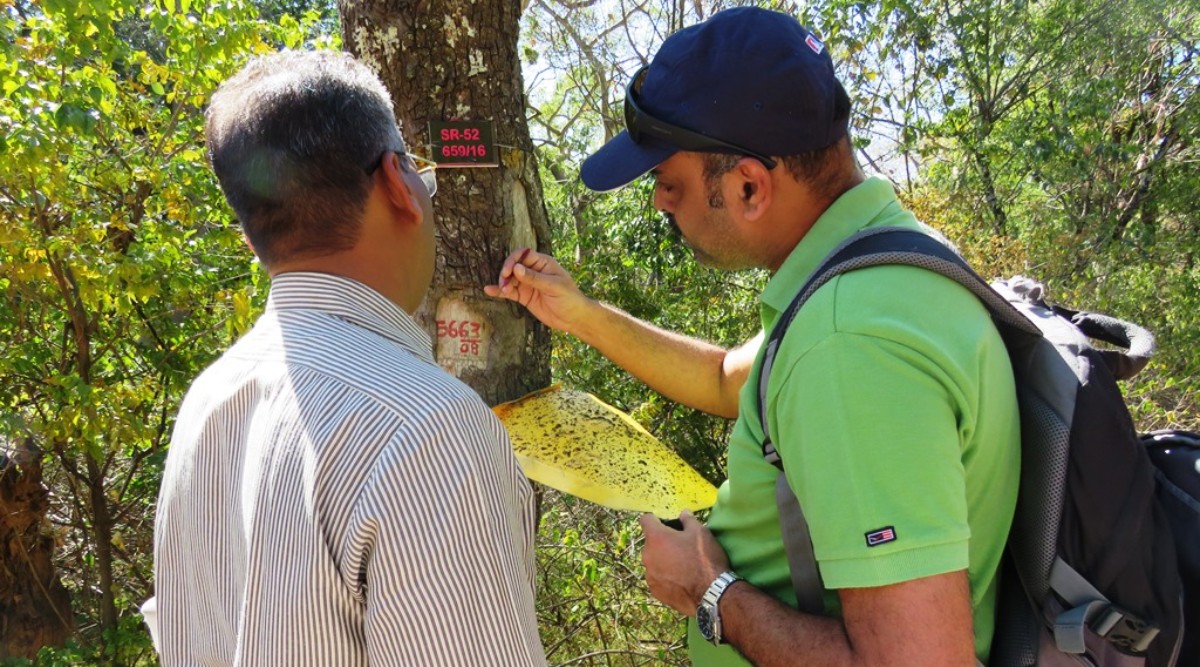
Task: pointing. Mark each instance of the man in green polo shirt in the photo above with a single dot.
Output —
(891, 399)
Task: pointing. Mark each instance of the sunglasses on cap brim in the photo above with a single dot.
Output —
(641, 125)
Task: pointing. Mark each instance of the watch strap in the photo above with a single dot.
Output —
(717, 588)
(711, 600)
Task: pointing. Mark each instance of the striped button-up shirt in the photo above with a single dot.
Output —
(333, 497)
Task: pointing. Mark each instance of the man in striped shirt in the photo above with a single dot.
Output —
(331, 496)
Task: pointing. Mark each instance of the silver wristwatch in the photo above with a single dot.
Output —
(708, 615)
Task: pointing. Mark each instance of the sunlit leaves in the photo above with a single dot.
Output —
(121, 268)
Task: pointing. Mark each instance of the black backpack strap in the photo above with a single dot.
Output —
(871, 247)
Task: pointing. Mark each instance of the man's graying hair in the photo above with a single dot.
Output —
(291, 137)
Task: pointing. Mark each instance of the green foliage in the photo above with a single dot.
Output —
(1056, 139)
(593, 604)
(127, 644)
(1076, 147)
(122, 271)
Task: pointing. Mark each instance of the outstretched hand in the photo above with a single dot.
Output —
(537, 282)
(680, 564)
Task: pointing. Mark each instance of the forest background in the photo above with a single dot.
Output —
(1053, 138)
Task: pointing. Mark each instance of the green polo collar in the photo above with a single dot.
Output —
(871, 203)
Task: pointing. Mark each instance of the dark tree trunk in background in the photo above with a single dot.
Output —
(35, 608)
(457, 60)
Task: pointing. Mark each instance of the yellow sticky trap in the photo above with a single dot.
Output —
(574, 442)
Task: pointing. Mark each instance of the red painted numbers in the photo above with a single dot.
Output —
(466, 332)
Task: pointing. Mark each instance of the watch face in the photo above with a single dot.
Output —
(704, 620)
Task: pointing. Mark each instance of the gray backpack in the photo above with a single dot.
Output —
(1091, 575)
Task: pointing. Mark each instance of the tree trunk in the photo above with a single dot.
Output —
(988, 182)
(35, 608)
(102, 534)
(457, 60)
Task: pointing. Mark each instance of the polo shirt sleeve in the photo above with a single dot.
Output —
(872, 450)
(444, 545)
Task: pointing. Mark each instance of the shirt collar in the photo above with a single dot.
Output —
(860, 207)
(351, 301)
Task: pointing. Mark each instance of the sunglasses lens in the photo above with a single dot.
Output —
(631, 109)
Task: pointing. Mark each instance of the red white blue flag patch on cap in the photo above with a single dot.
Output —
(881, 536)
(814, 44)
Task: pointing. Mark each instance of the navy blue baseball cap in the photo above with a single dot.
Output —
(747, 81)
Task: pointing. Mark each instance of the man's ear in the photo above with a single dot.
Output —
(396, 188)
(756, 188)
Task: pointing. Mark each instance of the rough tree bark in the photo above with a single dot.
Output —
(35, 608)
(457, 60)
